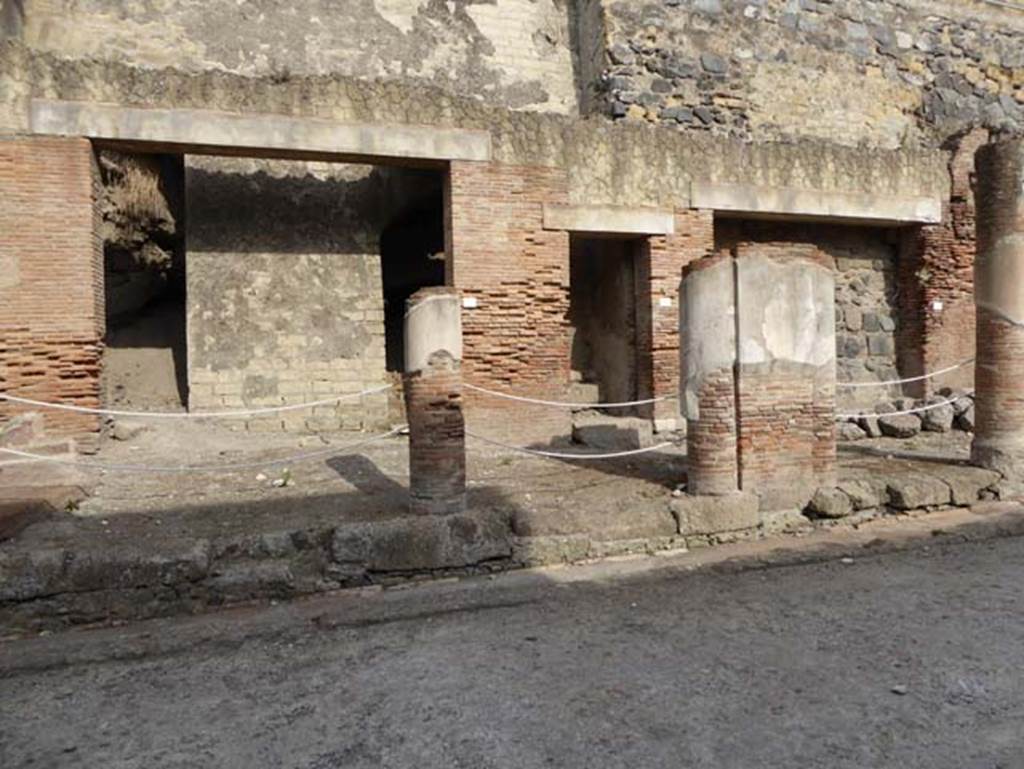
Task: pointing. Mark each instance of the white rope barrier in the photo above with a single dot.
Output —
(917, 410)
(254, 465)
(569, 455)
(568, 404)
(192, 414)
(961, 364)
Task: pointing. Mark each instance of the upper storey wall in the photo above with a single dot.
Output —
(882, 73)
(512, 53)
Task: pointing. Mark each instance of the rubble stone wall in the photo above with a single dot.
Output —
(517, 336)
(884, 73)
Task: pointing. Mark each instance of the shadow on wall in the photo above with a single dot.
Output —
(295, 207)
(144, 362)
(12, 19)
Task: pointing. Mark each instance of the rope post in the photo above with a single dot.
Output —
(999, 304)
(433, 402)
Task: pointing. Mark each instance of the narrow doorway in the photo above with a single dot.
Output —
(603, 316)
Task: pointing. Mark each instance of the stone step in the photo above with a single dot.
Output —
(609, 433)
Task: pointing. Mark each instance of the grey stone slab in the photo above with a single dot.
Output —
(714, 514)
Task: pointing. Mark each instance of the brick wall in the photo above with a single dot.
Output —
(936, 266)
(658, 276)
(51, 279)
(517, 338)
(437, 442)
(786, 441)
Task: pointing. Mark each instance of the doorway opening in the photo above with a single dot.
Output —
(142, 208)
(412, 257)
(603, 317)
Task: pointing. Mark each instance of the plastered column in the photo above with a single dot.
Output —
(786, 373)
(433, 401)
(707, 384)
(999, 301)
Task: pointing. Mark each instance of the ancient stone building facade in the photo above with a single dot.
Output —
(311, 168)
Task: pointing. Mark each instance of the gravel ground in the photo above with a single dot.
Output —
(909, 659)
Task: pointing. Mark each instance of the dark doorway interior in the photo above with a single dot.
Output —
(412, 257)
(603, 314)
(144, 276)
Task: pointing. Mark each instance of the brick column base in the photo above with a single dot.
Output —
(437, 444)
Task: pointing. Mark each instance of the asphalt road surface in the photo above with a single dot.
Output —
(912, 659)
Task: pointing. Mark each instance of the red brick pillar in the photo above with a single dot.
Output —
(515, 275)
(936, 284)
(707, 383)
(659, 267)
(51, 280)
(999, 301)
(433, 402)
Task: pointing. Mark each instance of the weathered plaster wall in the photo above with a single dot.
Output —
(284, 297)
(510, 52)
(882, 73)
(758, 372)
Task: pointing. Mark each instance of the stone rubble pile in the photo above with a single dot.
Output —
(951, 409)
(905, 491)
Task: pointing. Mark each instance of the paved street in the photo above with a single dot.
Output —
(909, 659)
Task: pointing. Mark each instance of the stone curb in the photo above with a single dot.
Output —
(374, 605)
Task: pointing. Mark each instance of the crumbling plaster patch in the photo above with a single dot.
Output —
(787, 312)
(482, 49)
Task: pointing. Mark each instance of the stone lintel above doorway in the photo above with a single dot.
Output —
(750, 200)
(200, 131)
(609, 220)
